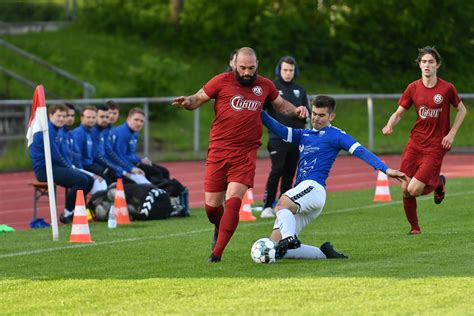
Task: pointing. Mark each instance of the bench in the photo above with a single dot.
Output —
(40, 189)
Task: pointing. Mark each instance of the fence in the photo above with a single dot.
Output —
(12, 117)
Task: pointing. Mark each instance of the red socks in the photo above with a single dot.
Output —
(409, 204)
(214, 214)
(228, 224)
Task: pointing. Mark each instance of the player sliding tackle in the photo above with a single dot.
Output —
(319, 147)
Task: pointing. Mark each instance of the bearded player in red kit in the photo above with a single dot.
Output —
(431, 137)
(235, 137)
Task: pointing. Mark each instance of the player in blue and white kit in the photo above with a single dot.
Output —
(318, 147)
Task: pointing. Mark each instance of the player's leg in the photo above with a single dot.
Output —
(230, 218)
(440, 190)
(74, 181)
(410, 164)
(429, 173)
(214, 186)
(239, 174)
(153, 174)
(296, 209)
(164, 171)
(214, 210)
(277, 156)
(291, 162)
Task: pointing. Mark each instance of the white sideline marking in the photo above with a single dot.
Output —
(32, 252)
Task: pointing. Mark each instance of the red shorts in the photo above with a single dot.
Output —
(425, 167)
(237, 168)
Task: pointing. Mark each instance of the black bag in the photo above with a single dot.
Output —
(179, 197)
(172, 186)
(156, 205)
(144, 202)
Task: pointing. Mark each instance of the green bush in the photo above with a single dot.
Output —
(28, 11)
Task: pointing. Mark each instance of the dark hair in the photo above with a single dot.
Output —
(289, 60)
(88, 107)
(112, 105)
(428, 50)
(102, 107)
(57, 107)
(136, 110)
(70, 106)
(324, 101)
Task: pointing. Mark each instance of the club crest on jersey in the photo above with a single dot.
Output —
(438, 98)
(296, 93)
(238, 103)
(257, 90)
(301, 148)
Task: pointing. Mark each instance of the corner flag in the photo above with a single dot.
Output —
(39, 123)
(38, 119)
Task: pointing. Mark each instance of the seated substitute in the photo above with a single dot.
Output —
(124, 139)
(100, 135)
(64, 173)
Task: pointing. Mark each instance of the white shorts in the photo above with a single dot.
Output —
(310, 197)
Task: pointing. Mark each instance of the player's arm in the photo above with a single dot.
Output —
(360, 152)
(191, 102)
(276, 127)
(285, 107)
(393, 120)
(448, 140)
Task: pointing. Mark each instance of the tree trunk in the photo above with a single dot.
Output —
(176, 6)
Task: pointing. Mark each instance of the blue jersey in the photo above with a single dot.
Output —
(83, 144)
(124, 143)
(319, 149)
(109, 151)
(67, 148)
(37, 149)
(99, 139)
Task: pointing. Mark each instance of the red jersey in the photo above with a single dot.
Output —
(432, 110)
(237, 126)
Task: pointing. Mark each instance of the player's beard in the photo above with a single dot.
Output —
(245, 80)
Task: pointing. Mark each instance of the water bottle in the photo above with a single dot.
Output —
(112, 222)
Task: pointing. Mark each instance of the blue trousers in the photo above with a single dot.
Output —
(68, 178)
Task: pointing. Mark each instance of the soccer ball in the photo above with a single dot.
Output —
(263, 251)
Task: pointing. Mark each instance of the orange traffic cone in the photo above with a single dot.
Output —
(245, 213)
(382, 190)
(80, 225)
(120, 204)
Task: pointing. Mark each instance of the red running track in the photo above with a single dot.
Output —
(348, 173)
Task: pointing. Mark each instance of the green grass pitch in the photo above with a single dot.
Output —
(161, 267)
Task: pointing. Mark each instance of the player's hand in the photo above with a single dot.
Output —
(181, 102)
(387, 130)
(146, 161)
(302, 112)
(96, 177)
(447, 141)
(137, 171)
(397, 174)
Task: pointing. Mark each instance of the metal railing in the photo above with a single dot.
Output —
(88, 89)
(146, 102)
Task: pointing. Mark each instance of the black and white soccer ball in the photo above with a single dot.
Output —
(263, 251)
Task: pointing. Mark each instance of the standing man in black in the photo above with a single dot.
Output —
(284, 155)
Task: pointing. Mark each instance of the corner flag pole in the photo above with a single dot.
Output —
(39, 123)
